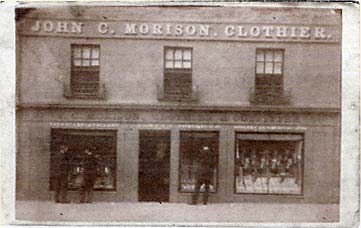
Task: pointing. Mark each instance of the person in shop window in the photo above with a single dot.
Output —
(61, 174)
(204, 173)
(89, 176)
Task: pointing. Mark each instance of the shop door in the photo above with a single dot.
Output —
(154, 154)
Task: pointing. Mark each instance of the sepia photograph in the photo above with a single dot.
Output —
(179, 114)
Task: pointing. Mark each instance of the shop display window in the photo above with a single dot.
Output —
(269, 163)
(102, 145)
(191, 143)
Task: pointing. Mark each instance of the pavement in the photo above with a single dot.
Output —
(103, 212)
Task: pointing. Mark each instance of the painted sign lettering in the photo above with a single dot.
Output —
(121, 29)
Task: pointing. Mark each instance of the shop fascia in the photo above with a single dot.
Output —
(183, 29)
(228, 30)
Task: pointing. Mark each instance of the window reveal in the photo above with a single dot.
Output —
(191, 143)
(85, 70)
(269, 163)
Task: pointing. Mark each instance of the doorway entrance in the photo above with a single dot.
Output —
(154, 158)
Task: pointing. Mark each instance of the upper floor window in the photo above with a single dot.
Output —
(85, 70)
(177, 84)
(269, 77)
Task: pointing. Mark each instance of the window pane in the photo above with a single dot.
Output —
(278, 56)
(260, 68)
(177, 64)
(278, 68)
(269, 56)
(260, 56)
(86, 63)
(187, 65)
(95, 53)
(272, 165)
(268, 68)
(198, 159)
(77, 62)
(169, 64)
(169, 54)
(187, 55)
(77, 53)
(178, 54)
(95, 63)
(86, 53)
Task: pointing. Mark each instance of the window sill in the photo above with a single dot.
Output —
(84, 97)
(99, 95)
(277, 99)
(298, 195)
(163, 96)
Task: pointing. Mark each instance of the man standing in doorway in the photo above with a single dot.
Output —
(89, 176)
(61, 174)
(204, 173)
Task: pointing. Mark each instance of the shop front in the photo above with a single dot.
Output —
(150, 154)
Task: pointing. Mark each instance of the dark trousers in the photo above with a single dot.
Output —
(200, 182)
(86, 193)
(61, 187)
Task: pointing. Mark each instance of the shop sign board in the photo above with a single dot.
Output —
(183, 30)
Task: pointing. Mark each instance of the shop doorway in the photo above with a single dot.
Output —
(154, 158)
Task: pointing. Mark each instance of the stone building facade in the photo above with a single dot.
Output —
(147, 87)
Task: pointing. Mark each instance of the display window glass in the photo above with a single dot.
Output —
(101, 144)
(269, 163)
(191, 143)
